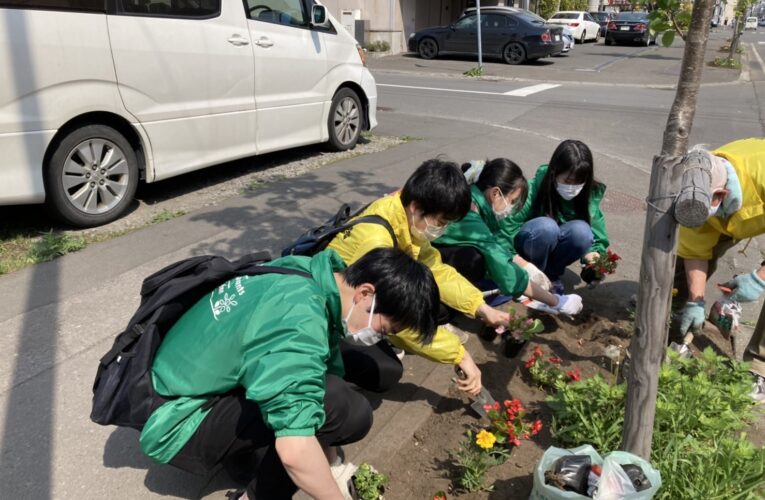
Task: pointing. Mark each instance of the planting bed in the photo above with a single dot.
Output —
(425, 466)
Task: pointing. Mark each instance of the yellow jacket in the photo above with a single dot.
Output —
(455, 291)
(748, 159)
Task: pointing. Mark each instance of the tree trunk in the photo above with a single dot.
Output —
(658, 258)
(735, 38)
(681, 115)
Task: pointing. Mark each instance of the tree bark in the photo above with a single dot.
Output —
(658, 258)
(681, 115)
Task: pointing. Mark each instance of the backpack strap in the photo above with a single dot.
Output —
(372, 219)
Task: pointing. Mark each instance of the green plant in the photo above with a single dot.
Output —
(166, 215)
(369, 483)
(546, 372)
(726, 62)
(475, 456)
(702, 404)
(477, 71)
(378, 46)
(509, 423)
(520, 328)
(53, 245)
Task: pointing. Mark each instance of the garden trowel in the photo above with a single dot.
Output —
(484, 397)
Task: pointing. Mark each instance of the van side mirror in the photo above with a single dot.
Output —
(319, 17)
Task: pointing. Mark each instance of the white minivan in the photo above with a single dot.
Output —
(97, 94)
(750, 23)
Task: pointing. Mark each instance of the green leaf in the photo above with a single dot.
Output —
(667, 38)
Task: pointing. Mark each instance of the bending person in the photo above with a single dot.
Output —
(561, 221)
(272, 357)
(473, 248)
(434, 196)
(737, 212)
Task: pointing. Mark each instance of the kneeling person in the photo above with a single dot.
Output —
(268, 347)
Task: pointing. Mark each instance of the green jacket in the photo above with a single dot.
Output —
(478, 229)
(512, 225)
(274, 335)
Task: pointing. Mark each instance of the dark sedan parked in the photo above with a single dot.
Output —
(630, 27)
(603, 18)
(515, 35)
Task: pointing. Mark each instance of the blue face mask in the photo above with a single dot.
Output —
(366, 336)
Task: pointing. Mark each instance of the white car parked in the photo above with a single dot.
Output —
(97, 94)
(750, 23)
(584, 26)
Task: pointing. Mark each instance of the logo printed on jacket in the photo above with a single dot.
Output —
(221, 301)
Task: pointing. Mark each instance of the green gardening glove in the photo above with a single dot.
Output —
(692, 316)
(746, 287)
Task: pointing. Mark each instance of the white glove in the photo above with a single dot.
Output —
(569, 304)
(342, 473)
(537, 276)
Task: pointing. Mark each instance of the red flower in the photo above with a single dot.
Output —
(515, 441)
(555, 360)
(496, 405)
(537, 353)
(530, 362)
(488, 408)
(536, 427)
(575, 375)
(612, 257)
(526, 435)
(439, 496)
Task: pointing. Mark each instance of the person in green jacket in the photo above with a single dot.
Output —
(472, 245)
(255, 371)
(561, 221)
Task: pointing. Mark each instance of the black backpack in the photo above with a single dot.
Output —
(123, 393)
(315, 240)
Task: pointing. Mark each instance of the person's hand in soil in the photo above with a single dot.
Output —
(471, 383)
(492, 317)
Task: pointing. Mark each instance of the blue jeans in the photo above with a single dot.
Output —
(551, 247)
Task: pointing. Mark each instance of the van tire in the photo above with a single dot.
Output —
(101, 170)
(345, 120)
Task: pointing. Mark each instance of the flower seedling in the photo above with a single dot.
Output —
(520, 328)
(476, 454)
(509, 423)
(599, 268)
(548, 372)
(368, 483)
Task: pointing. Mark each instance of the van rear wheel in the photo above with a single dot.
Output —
(91, 176)
(344, 120)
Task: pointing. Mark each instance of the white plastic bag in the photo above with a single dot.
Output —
(615, 484)
(544, 491)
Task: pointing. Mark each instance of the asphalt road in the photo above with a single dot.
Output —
(59, 317)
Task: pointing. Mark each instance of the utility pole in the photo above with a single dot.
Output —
(478, 20)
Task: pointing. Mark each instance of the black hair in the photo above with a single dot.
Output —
(438, 188)
(405, 290)
(574, 159)
(504, 174)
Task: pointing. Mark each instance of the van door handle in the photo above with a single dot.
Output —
(238, 40)
(264, 42)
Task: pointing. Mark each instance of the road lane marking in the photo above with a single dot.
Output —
(759, 59)
(533, 89)
(522, 92)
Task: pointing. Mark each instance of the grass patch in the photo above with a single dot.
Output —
(474, 72)
(726, 48)
(410, 138)
(166, 215)
(725, 62)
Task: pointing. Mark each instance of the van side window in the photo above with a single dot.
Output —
(73, 5)
(286, 12)
(187, 9)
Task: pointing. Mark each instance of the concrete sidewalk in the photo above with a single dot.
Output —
(655, 66)
(60, 317)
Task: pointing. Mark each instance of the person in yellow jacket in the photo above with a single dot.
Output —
(737, 213)
(433, 196)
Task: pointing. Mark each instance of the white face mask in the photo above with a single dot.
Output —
(366, 336)
(713, 210)
(501, 214)
(568, 191)
(430, 232)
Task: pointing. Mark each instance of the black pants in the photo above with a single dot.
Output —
(374, 368)
(469, 262)
(234, 434)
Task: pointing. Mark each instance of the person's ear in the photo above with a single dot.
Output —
(362, 291)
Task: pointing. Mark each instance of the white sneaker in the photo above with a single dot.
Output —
(461, 334)
(758, 389)
(342, 472)
(400, 353)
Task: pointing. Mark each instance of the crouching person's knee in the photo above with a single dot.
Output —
(348, 414)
